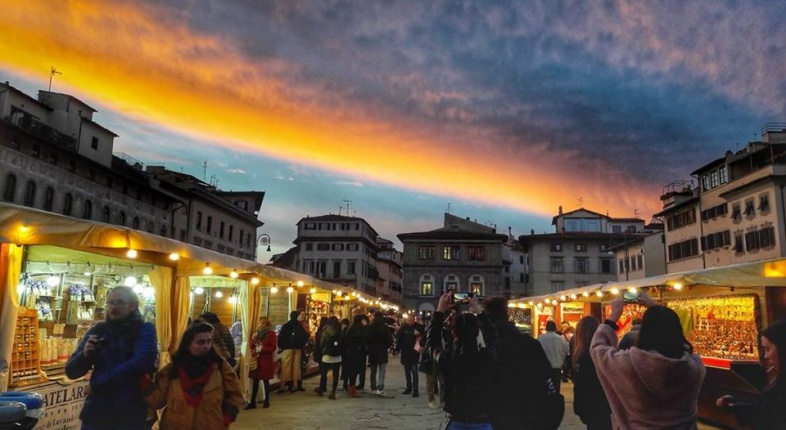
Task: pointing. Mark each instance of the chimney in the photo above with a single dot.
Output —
(560, 210)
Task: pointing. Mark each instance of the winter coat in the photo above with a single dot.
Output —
(379, 341)
(125, 355)
(332, 345)
(405, 343)
(292, 335)
(630, 337)
(468, 386)
(220, 403)
(521, 378)
(767, 413)
(556, 348)
(266, 368)
(589, 400)
(644, 388)
(224, 343)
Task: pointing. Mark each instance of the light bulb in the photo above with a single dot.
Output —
(599, 294)
(199, 290)
(313, 290)
(677, 286)
(233, 274)
(233, 300)
(615, 291)
(585, 294)
(219, 294)
(299, 284)
(174, 256)
(131, 253)
(130, 281)
(255, 281)
(207, 270)
(633, 290)
(273, 290)
(290, 289)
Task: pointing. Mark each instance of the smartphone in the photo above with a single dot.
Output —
(630, 297)
(463, 296)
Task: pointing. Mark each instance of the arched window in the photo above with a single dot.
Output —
(135, 223)
(49, 198)
(68, 204)
(10, 188)
(106, 215)
(87, 213)
(426, 285)
(120, 218)
(30, 194)
(477, 285)
(451, 282)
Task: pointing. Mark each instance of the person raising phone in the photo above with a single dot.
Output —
(465, 365)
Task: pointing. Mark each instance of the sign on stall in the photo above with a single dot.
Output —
(62, 405)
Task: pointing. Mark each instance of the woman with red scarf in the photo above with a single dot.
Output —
(199, 388)
(263, 347)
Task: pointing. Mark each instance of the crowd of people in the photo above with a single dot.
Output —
(482, 371)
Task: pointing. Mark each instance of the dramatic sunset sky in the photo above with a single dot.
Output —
(503, 110)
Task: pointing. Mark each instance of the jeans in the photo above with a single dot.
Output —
(323, 371)
(378, 383)
(411, 375)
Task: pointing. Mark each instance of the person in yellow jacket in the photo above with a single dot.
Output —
(199, 388)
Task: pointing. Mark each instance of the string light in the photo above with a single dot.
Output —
(299, 284)
(615, 291)
(233, 274)
(219, 294)
(131, 253)
(313, 290)
(254, 281)
(273, 289)
(207, 270)
(290, 289)
(174, 256)
(199, 290)
(233, 300)
(599, 294)
(677, 286)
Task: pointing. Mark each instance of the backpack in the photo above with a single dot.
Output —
(334, 345)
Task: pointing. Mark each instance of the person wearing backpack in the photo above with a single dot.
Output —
(332, 346)
(120, 351)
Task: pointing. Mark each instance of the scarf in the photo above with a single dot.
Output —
(194, 386)
(262, 333)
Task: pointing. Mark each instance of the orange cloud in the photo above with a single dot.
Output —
(146, 64)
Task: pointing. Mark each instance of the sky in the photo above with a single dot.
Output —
(499, 111)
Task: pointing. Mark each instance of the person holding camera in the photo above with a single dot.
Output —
(466, 363)
(769, 412)
(661, 369)
(408, 343)
(120, 351)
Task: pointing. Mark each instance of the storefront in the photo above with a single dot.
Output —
(55, 272)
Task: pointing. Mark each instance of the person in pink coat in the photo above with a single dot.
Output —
(654, 384)
(262, 349)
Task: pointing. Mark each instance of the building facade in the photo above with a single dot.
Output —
(462, 256)
(389, 267)
(55, 157)
(736, 213)
(579, 253)
(338, 249)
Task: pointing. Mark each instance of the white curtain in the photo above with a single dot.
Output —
(10, 268)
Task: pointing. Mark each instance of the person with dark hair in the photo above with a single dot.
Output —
(466, 363)
(332, 347)
(661, 369)
(769, 412)
(222, 337)
(317, 353)
(629, 339)
(120, 351)
(379, 341)
(199, 387)
(355, 353)
(407, 338)
(292, 338)
(263, 346)
(344, 373)
(521, 376)
(589, 400)
(556, 348)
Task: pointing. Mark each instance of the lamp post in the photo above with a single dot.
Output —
(262, 239)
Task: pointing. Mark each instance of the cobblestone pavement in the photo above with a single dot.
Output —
(305, 410)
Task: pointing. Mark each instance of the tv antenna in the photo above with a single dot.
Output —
(348, 203)
(52, 73)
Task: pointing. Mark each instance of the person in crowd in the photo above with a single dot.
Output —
(355, 353)
(466, 365)
(310, 344)
(629, 339)
(768, 412)
(408, 345)
(427, 366)
(237, 336)
(520, 377)
(589, 400)
(344, 372)
(660, 370)
(567, 331)
(380, 340)
(318, 349)
(292, 338)
(199, 388)
(331, 343)
(262, 349)
(556, 348)
(222, 338)
(120, 351)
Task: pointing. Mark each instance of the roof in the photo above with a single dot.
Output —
(69, 96)
(680, 205)
(441, 234)
(709, 165)
(99, 126)
(341, 218)
(554, 220)
(579, 235)
(23, 94)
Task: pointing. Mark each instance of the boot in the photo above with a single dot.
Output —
(319, 391)
(332, 395)
(353, 392)
(266, 404)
